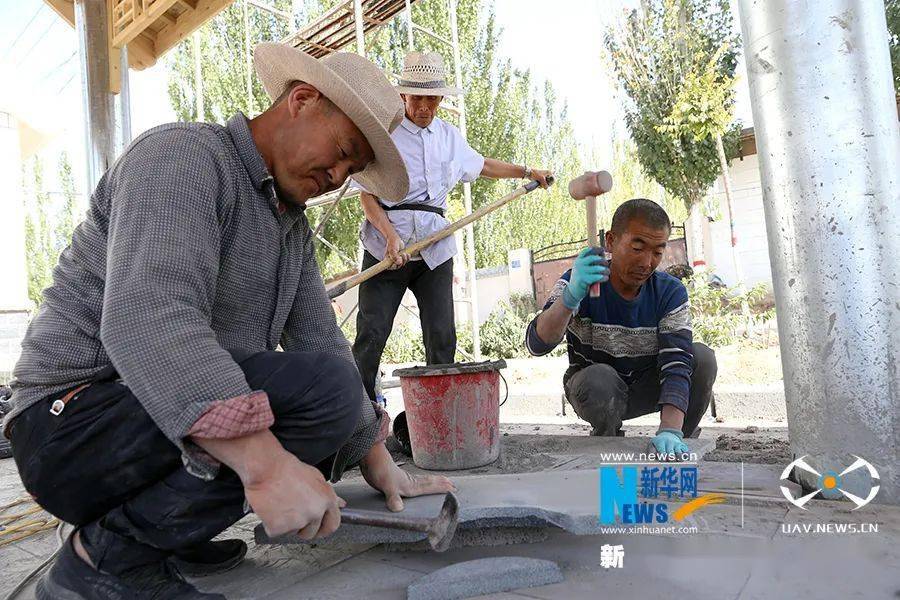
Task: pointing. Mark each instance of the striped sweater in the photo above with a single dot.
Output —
(653, 331)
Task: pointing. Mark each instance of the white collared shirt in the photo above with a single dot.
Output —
(437, 157)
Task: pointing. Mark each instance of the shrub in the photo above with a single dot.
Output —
(719, 314)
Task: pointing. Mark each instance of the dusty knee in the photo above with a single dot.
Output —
(598, 394)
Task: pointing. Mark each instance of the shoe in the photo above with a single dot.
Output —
(209, 558)
(70, 578)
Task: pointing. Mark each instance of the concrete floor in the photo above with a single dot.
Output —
(740, 551)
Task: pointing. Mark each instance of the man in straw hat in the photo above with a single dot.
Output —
(437, 157)
(150, 408)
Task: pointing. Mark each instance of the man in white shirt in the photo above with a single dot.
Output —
(437, 157)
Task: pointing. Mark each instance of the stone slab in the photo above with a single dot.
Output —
(699, 567)
(484, 576)
(567, 500)
(525, 453)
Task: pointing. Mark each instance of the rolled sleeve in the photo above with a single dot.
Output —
(161, 273)
(234, 418)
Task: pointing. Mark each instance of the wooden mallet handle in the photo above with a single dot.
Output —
(587, 187)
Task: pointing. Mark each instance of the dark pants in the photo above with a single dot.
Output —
(603, 399)
(379, 299)
(103, 464)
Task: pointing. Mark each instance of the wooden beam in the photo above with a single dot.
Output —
(141, 22)
(168, 19)
(64, 8)
(115, 71)
(141, 53)
(188, 23)
(188, 4)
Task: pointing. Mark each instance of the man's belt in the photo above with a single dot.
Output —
(414, 206)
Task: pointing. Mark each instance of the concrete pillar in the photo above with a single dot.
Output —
(124, 101)
(99, 106)
(829, 150)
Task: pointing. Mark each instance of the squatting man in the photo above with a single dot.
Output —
(150, 408)
(631, 349)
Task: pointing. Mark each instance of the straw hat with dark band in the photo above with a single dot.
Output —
(360, 90)
(424, 74)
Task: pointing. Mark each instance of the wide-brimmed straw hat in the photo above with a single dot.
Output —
(360, 90)
(424, 74)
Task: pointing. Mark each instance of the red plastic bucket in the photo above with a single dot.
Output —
(453, 414)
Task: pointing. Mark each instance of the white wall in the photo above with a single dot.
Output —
(493, 288)
(750, 227)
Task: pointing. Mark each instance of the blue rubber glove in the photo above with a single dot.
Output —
(589, 268)
(669, 441)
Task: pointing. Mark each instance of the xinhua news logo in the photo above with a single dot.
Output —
(641, 495)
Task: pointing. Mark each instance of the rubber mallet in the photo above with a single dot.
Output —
(587, 187)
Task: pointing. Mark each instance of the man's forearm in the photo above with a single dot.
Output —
(497, 169)
(671, 417)
(376, 215)
(551, 324)
(253, 457)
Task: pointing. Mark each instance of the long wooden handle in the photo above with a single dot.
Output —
(338, 289)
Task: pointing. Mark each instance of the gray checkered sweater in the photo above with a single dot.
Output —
(183, 253)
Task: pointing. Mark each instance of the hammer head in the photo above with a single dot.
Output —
(444, 527)
(591, 184)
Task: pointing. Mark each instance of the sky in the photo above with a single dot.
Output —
(39, 68)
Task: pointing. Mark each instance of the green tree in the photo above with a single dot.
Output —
(630, 181)
(39, 246)
(509, 117)
(223, 64)
(48, 224)
(675, 60)
(68, 216)
(892, 12)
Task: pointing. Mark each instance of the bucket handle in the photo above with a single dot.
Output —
(506, 385)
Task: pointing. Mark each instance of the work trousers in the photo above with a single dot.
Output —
(102, 463)
(600, 396)
(379, 299)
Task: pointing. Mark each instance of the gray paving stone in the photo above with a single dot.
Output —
(484, 576)
(567, 500)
